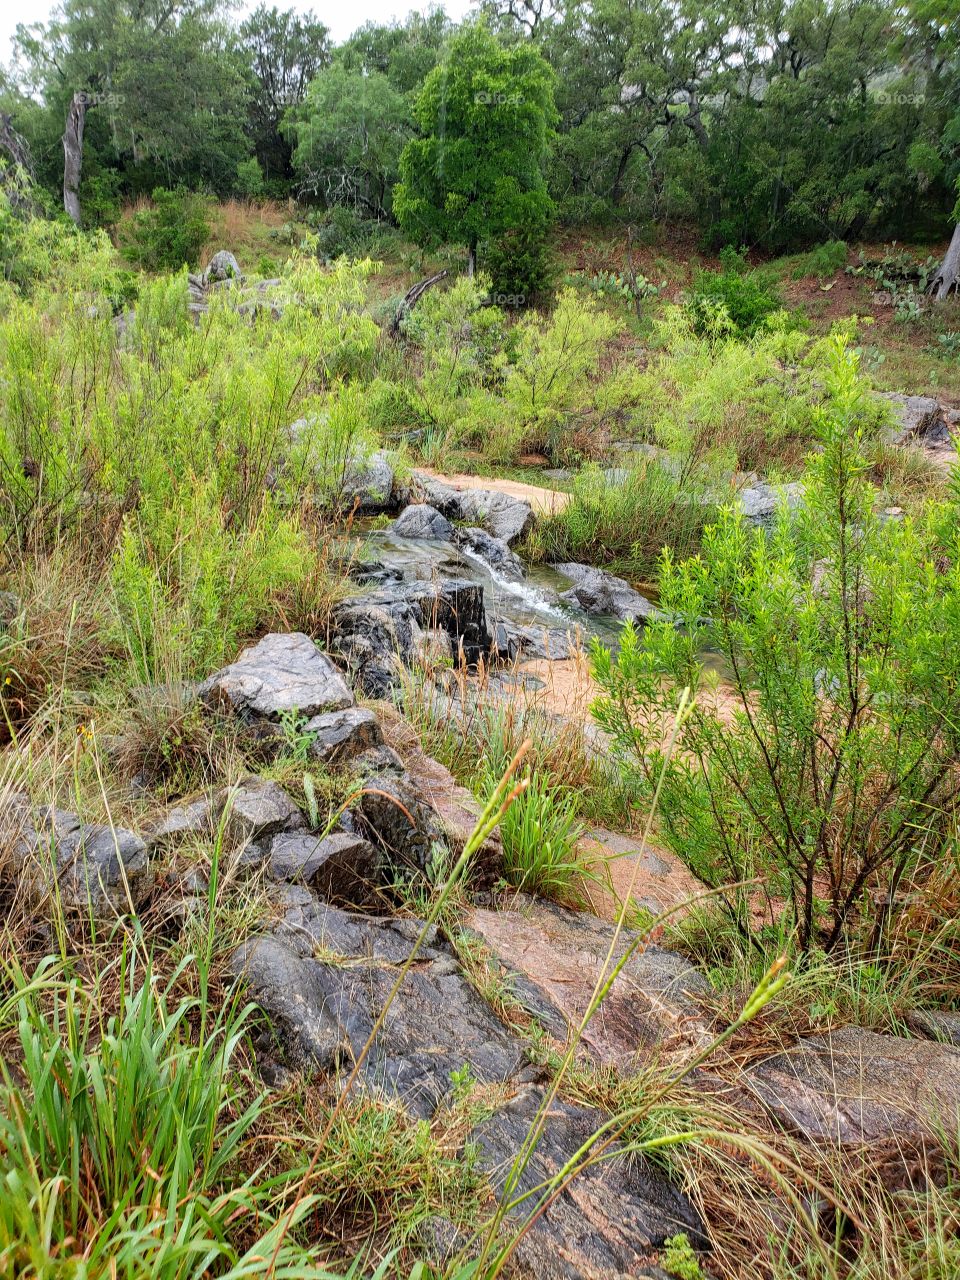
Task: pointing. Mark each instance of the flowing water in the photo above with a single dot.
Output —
(534, 602)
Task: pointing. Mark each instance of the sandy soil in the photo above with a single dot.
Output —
(543, 501)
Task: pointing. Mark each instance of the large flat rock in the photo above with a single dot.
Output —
(285, 672)
(607, 1220)
(855, 1088)
(323, 977)
(631, 870)
(555, 957)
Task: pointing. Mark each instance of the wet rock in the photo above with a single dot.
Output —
(422, 521)
(285, 672)
(505, 517)
(855, 1088)
(555, 956)
(222, 266)
(917, 419)
(759, 503)
(502, 515)
(368, 483)
(600, 592)
(339, 867)
(607, 1220)
(655, 879)
(380, 633)
(303, 980)
(494, 551)
(98, 870)
(338, 736)
(400, 821)
(512, 641)
(372, 636)
(257, 807)
(456, 808)
(286, 987)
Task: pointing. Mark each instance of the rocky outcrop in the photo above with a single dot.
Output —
(606, 1221)
(916, 420)
(420, 520)
(339, 867)
(500, 514)
(599, 592)
(369, 483)
(322, 978)
(98, 870)
(493, 551)
(456, 808)
(284, 673)
(337, 737)
(378, 634)
(253, 808)
(554, 958)
(222, 266)
(854, 1089)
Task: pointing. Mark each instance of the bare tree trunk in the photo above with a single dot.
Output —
(73, 155)
(948, 273)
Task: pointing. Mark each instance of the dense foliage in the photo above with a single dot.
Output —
(771, 126)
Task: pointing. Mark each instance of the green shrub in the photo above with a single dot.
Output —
(733, 301)
(249, 180)
(170, 234)
(521, 267)
(830, 767)
(340, 232)
(824, 260)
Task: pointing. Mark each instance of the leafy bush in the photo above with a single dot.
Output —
(41, 252)
(520, 265)
(342, 233)
(829, 766)
(732, 301)
(170, 234)
(249, 180)
(747, 403)
(823, 260)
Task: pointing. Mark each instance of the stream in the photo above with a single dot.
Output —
(534, 602)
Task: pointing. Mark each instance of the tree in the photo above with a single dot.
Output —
(349, 134)
(404, 52)
(286, 50)
(932, 41)
(486, 116)
(154, 88)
